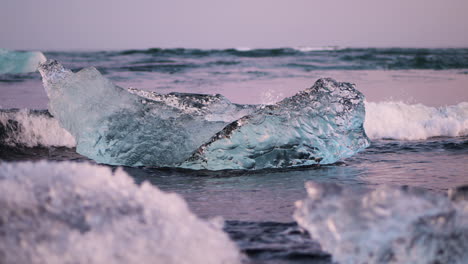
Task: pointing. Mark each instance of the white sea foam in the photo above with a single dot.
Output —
(31, 129)
(308, 49)
(20, 61)
(243, 49)
(81, 213)
(386, 225)
(397, 120)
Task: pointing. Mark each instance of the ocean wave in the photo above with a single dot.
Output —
(397, 120)
(32, 128)
(404, 58)
(312, 58)
(386, 225)
(243, 49)
(81, 213)
(309, 49)
(298, 48)
(352, 58)
(14, 62)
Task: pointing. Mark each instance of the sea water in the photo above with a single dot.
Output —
(416, 118)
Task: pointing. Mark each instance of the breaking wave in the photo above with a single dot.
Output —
(32, 128)
(397, 120)
(81, 213)
(309, 49)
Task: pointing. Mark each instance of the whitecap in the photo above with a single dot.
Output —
(310, 48)
(32, 129)
(397, 120)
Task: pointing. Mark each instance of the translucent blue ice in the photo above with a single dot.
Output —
(112, 125)
(387, 225)
(20, 61)
(319, 125)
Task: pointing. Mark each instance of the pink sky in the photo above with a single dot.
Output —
(119, 24)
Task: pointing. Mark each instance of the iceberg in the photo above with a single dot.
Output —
(319, 125)
(65, 212)
(113, 125)
(20, 61)
(386, 225)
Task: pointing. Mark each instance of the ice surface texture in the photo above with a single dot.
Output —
(322, 124)
(114, 126)
(81, 213)
(386, 225)
(20, 61)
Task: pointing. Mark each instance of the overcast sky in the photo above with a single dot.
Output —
(119, 24)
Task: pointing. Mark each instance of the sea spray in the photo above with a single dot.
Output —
(32, 128)
(397, 120)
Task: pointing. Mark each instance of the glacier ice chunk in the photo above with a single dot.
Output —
(81, 213)
(114, 126)
(386, 225)
(131, 127)
(319, 125)
(20, 61)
